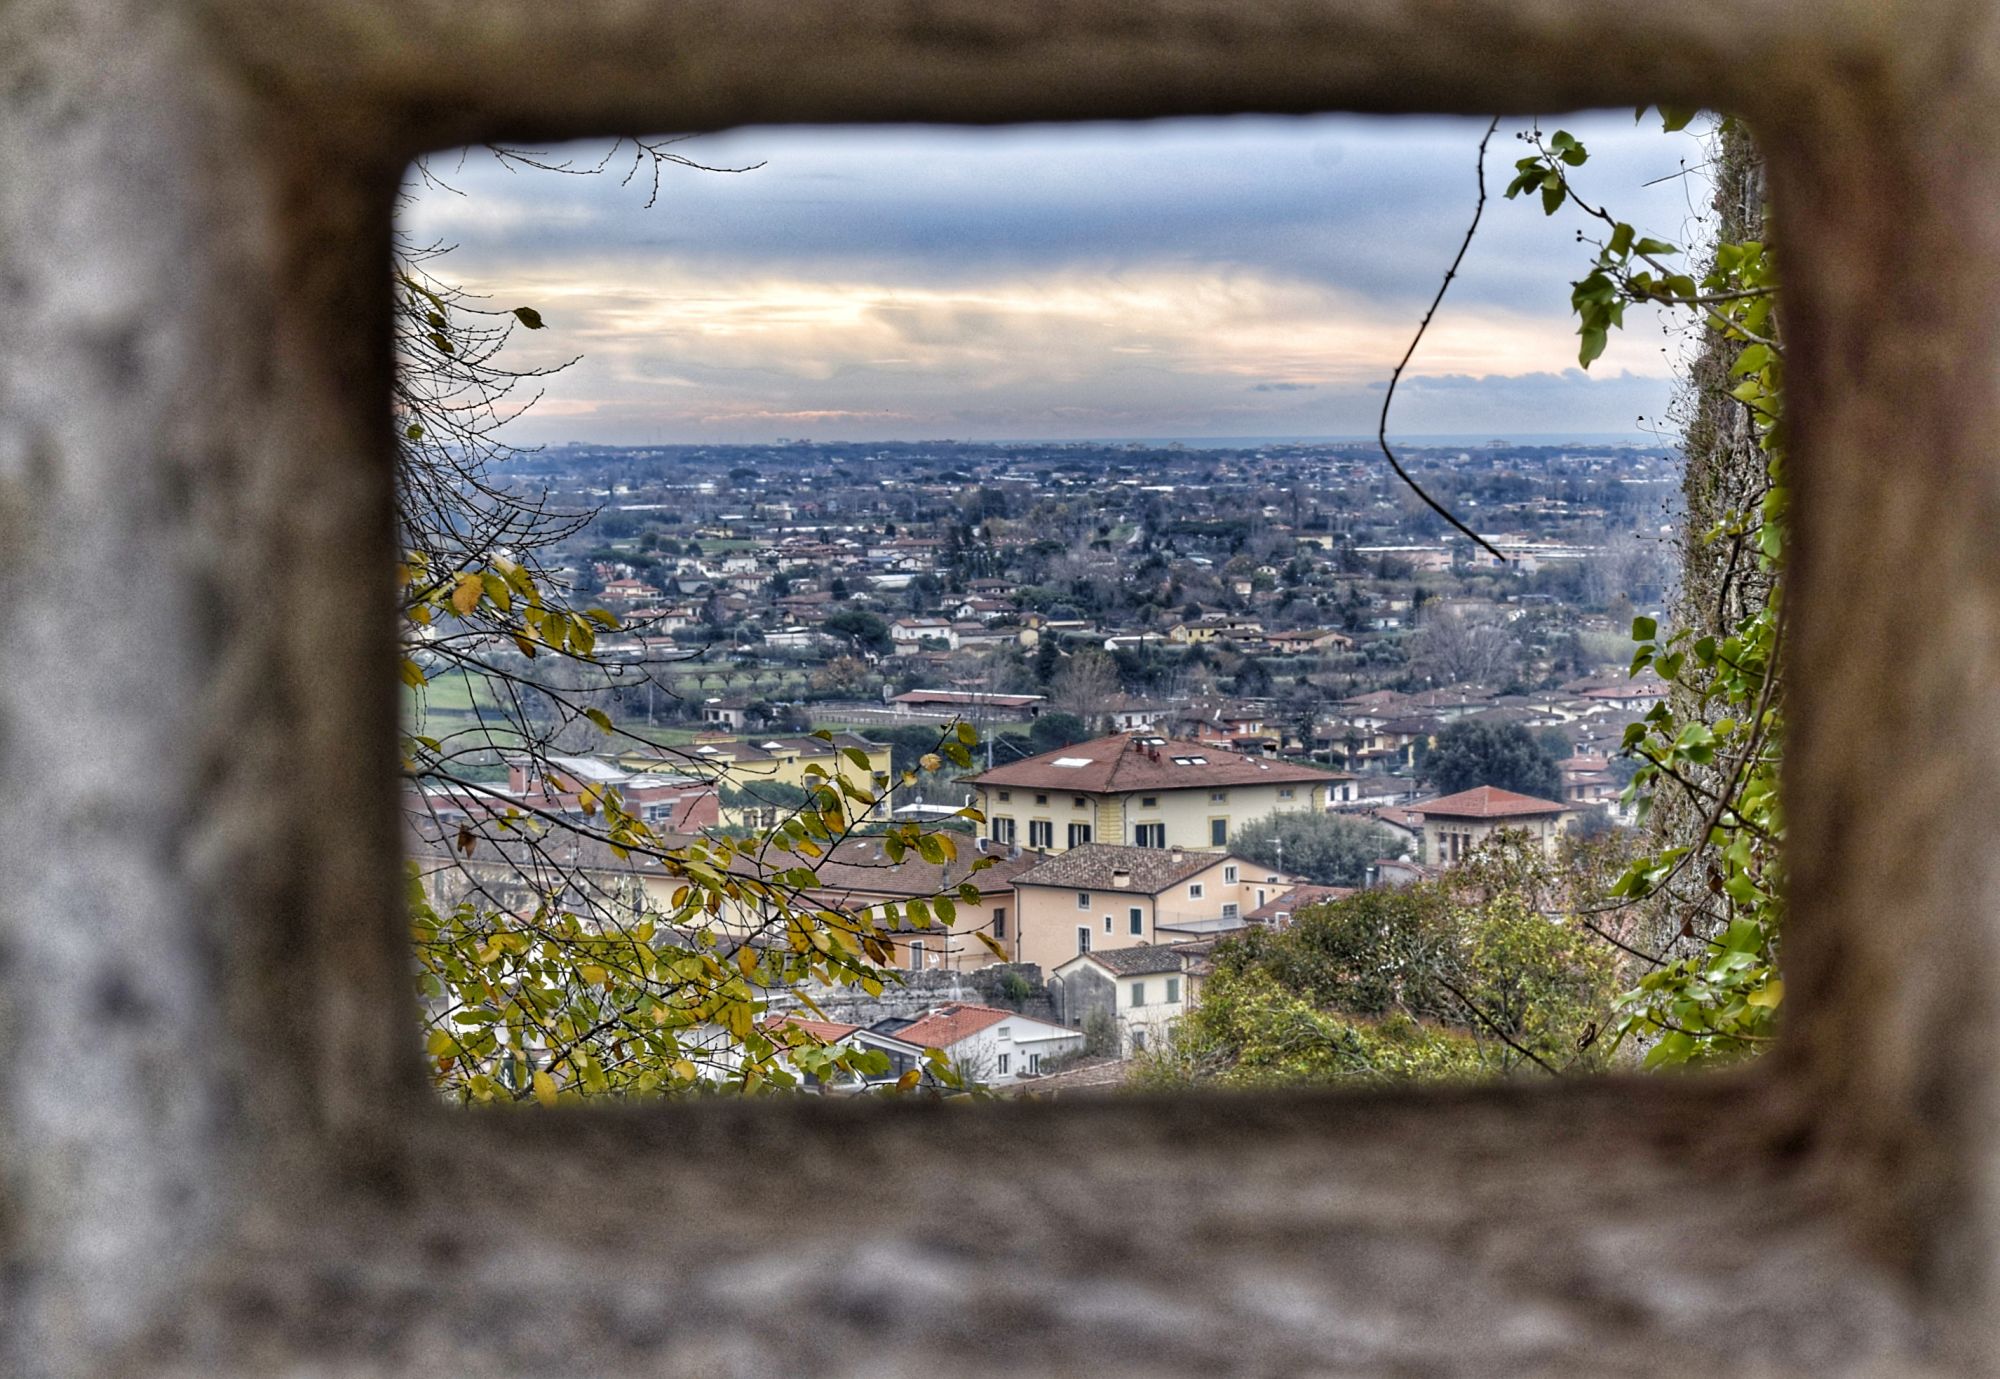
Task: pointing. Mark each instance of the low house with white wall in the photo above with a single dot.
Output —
(797, 1031)
(1144, 989)
(992, 1046)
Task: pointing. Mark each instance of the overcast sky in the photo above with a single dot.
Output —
(1199, 278)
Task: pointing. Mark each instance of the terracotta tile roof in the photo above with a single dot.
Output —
(1094, 867)
(860, 870)
(1486, 802)
(1398, 817)
(1142, 761)
(947, 1025)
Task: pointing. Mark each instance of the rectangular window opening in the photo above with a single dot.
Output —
(1152, 557)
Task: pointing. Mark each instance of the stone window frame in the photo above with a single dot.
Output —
(221, 1155)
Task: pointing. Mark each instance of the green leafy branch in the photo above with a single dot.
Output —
(1715, 744)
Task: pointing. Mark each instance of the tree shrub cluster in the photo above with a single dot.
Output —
(1484, 972)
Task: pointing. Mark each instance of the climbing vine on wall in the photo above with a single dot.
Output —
(1709, 755)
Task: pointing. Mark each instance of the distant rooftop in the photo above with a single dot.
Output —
(1099, 866)
(1143, 761)
(1487, 802)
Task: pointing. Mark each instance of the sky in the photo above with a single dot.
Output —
(1242, 277)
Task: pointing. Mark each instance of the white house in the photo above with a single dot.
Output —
(1145, 989)
(998, 1047)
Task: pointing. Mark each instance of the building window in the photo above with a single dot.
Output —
(1002, 1062)
(1079, 834)
(1079, 801)
(1149, 802)
(1083, 938)
(1034, 1064)
(1137, 917)
(1001, 829)
(1041, 834)
(1218, 833)
(1138, 1041)
(1284, 792)
(1041, 799)
(1218, 796)
(999, 921)
(1173, 991)
(916, 957)
(1006, 794)
(1195, 891)
(1150, 835)
(1083, 900)
(1229, 875)
(1229, 910)
(1107, 924)
(1138, 993)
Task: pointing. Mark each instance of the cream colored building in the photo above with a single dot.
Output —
(858, 876)
(1100, 896)
(1145, 990)
(1140, 790)
(777, 759)
(1456, 824)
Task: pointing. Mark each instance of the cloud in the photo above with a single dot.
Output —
(1235, 277)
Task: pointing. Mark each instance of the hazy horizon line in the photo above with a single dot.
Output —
(1637, 438)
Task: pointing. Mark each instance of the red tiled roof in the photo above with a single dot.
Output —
(1297, 898)
(1141, 761)
(947, 1025)
(1487, 802)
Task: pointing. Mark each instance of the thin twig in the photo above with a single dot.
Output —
(1500, 1033)
(1382, 428)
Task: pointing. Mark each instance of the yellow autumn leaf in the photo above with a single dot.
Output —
(909, 1079)
(1771, 995)
(545, 1088)
(466, 596)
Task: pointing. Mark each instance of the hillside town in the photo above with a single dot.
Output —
(1165, 653)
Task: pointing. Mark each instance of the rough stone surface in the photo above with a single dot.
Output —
(216, 1157)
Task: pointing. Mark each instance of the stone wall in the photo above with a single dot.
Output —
(921, 991)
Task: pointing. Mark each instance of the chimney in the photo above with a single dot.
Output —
(1121, 878)
(1178, 854)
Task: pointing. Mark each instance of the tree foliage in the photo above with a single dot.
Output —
(1482, 972)
(1470, 753)
(1329, 849)
(1251, 1031)
(1453, 647)
(1057, 729)
(564, 947)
